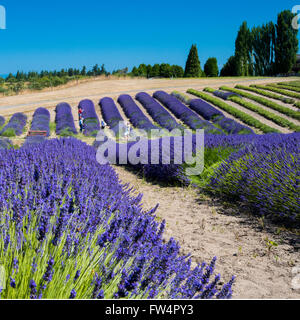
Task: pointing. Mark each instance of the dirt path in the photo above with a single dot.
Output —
(206, 229)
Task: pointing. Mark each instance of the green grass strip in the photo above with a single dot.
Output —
(266, 114)
(244, 117)
(272, 105)
(267, 94)
(282, 86)
(274, 89)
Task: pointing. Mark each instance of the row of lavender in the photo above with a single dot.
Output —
(40, 122)
(186, 115)
(64, 120)
(15, 126)
(91, 121)
(71, 231)
(210, 113)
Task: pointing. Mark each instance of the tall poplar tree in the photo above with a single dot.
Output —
(263, 42)
(286, 47)
(243, 51)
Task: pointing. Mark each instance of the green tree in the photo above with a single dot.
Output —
(165, 70)
(177, 71)
(70, 72)
(155, 71)
(286, 46)
(149, 71)
(192, 67)
(243, 51)
(211, 67)
(10, 78)
(83, 71)
(142, 70)
(135, 72)
(229, 69)
(263, 42)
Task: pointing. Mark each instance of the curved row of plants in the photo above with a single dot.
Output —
(41, 122)
(91, 121)
(111, 114)
(186, 115)
(266, 94)
(64, 120)
(287, 87)
(15, 126)
(266, 114)
(244, 117)
(210, 113)
(135, 114)
(159, 114)
(285, 110)
(278, 90)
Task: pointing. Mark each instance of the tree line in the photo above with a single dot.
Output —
(192, 68)
(44, 79)
(265, 50)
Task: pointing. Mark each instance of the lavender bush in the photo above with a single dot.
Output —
(158, 112)
(265, 175)
(91, 121)
(15, 126)
(69, 230)
(134, 113)
(41, 120)
(64, 120)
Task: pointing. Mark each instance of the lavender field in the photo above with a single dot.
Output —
(71, 229)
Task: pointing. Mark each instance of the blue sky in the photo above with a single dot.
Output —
(61, 34)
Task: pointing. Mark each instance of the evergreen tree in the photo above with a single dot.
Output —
(192, 67)
(229, 69)
(243, 51)
(286, 46)
(211, 67)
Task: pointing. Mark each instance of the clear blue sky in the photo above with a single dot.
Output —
(60, 34)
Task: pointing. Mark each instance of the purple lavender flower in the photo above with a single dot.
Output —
(73, 294)
(49, 271)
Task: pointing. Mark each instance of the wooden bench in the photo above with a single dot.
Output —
(33, 133)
